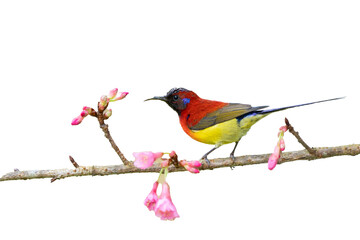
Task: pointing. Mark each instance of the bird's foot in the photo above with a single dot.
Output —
(207, 162)
(232, 166)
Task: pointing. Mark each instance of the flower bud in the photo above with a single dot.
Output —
(195, 164)
(165, 163)
(191, 169)
(84, 113)
(121, 96)
(77, 120)
(103, 102)
(112, 93)
(191, 166)
(172, 154)
(282, 144)
(273, 159)
(107, 113)
(283, 128)
(90, 110)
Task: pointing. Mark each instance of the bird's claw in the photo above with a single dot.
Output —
(232, 166)
(207, 162)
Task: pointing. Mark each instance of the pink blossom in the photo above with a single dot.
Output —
(283, 128)
(273, 161)
(88, 109)
(112, 93)
(152, 198)
(84, 113)
(282, 144)
(121, 96)
(191, 169)
(77, 120)
(165, 163)
(164, 208)
(277, 150)
(195, 163)
(144, 160)
(172, 154)
(191, 166)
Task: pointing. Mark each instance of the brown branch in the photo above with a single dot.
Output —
(106, 131)
(72, 160)
(300, 140)
(105, 128)
(324, 152)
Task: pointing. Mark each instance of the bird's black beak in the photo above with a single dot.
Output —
(158, 98)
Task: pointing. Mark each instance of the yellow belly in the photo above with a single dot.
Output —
(226, 132)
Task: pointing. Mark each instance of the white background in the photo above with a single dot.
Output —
(58, 56)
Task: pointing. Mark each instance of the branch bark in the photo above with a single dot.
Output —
(100, 117)
(324, 152)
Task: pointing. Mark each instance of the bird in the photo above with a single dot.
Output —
(215, 122)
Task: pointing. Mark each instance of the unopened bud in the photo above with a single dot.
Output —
(90, 110)
(84, 113)
(282, 144)
(165, 163)
(103, 102)
(195, 164)
(107, 113)
(77, 120)
(283, 128)
(112, 93)
(273, 159)
(121, 96)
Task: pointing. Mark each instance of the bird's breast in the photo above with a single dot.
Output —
(225, 132)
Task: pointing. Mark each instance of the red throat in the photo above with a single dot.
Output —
(197, 109)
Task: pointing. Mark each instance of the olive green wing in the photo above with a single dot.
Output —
(224, 114)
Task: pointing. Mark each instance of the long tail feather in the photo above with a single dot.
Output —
(299, 105)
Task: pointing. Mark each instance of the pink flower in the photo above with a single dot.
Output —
(273, 161)
(282, 130)
(121, 96)
(77, 120)
(165, 163)
(282, 144)
(84, 113)
(196, 164)
(191, 166)
(172, 154)
(112, 93)
(152, 198)
(164, 208)
(144, 160)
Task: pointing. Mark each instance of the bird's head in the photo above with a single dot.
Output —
(177, 98)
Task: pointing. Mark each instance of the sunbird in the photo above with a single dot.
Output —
(214, 122)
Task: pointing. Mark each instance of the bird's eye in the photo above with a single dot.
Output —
(175, 97)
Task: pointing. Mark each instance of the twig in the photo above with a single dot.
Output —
(105, 128)
(73, 162)
(324, 152)
(300, 140)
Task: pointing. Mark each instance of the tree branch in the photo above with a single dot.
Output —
(297, 136)
(324, 152)
(100, 117)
